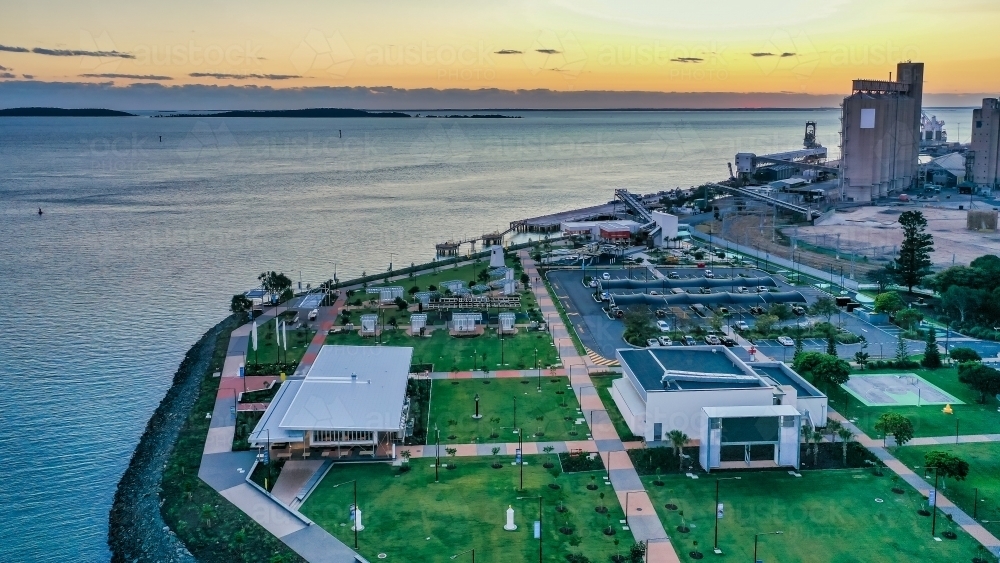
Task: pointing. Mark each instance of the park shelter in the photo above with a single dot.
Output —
(417, 322)
(368, 324)
(506, 321)
(465, 322)
(351, 401)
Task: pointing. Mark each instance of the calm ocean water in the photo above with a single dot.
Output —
(144, 240)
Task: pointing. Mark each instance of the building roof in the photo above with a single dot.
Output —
(750, 411)
(953, 162)
(781, 376)
(268, 427)
(689, 368)
(352, 388)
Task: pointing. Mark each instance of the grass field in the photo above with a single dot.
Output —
(928, 420)
(449, 353)
(984, 474)
(825, 517)
(268, 349)
(603, 385)
(453, 404)
(409, 517)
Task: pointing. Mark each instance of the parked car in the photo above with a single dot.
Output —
(689, 340)
(741, 289)
(653, 292)
(799, 311)
(741, 326)
(660, 313)
(652, 342)
(761, 289)
(313, 314)
(709, 274)
(674, 276)
(786, 341)
(605, 296)
(665, 341)
(756, 310)
(663, 326)
(712, 339)
(593, 283)
(728, 341)
(705, 290)
(605, 276)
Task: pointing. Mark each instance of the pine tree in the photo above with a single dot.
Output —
(901, 353)
(914, 260)
(932, 358)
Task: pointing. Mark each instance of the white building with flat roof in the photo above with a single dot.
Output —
(352, 398)
(670, 388)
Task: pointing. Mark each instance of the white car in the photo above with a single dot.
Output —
(665, 341)
(786, 341)
(605, 276)
(709, 274)
(741, 326)
(663, 326)
(712, 339)
(313, 314)
(761, 289)
(652, 343)
(741, 289)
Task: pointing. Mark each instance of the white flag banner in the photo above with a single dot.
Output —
(253, 336)
(277, 331)
(284, 335)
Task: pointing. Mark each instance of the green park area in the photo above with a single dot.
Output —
(504, 404)
(410, 517)
(928, 420)
(983, 477)
(448, 353)
(269, 352)
(836, 516)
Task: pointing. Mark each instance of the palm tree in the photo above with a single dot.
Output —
(832, 428)
(845, 437)
(678, 439)
(548, 450)
(807, 434)
(817, 437)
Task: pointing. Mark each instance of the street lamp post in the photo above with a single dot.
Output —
(716, 549)
(477, 416)
(437, 451)
(755, 536)
(539, 497)
(934, 504)
(355, 526)
(539, 371)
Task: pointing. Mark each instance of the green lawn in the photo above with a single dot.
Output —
(409, 517)
(603, 385)
(268, 350)
(972, 417)
(825, 517)
(984, 474)
(453, 405)
(449, 353)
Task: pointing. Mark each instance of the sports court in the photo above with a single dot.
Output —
(896, 389)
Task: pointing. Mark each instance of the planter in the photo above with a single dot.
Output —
(404, 468)
(898, 491)
(539, 434)
(695, 555)
(525, 382)
(497, 466)
(573, 432)
(561, 508)
(554, 486)
(592, 487)
(658, 483)
(948, 534)
(683, 529)
(609, 531)
(560, 392)
(568, 418)
(453, 437)
(924, 512)
(601, 509)
(565, 531)
(548, 465)
(451, 466)
(670, 506)
(486, 382)
(494, 435)
(455, 382)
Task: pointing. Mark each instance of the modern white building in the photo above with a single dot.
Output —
(670, 388)
(351, 401)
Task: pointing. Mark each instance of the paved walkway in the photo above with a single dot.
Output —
(640, 517)
(973, 528)
(225, 470)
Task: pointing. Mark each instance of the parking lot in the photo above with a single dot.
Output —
(604, 335)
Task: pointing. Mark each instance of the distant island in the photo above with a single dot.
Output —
(477, 116)
(314, 112)
(60, 112)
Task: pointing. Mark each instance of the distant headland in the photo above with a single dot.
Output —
(313, 112)
(60, 112)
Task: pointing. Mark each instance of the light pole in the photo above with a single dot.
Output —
(477, 416)
(755, 536)
(626, 503)
(355, 526)
(716, 548)
(580, 398)
(473, 551)
(437, 451)
(934, 504)
(539, 371)
(539, 523)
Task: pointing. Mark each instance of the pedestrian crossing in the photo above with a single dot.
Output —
(600, 360)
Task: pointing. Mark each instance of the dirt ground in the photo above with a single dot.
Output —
(877, 227)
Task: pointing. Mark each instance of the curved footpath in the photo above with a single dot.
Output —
(136, 530)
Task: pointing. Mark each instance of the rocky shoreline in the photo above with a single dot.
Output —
(136, 530)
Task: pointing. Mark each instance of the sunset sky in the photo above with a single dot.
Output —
(563, 45)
